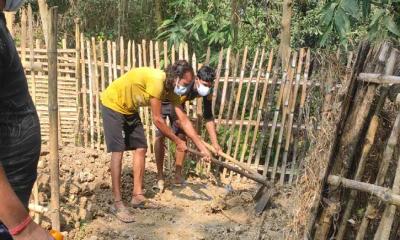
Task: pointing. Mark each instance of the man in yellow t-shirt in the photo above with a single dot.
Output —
(124, 131)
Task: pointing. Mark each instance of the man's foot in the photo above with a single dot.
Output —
(139, 201)
(122, 213)
(179, 181)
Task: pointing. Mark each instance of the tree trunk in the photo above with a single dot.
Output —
(285, 34)
(158, 12)
(44, 12)
(235, 23)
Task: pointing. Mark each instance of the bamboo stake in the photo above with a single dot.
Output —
(275, 119)
(186, 49)
(96, 93)
(102, 66)
(114, 53)
(133, 54)
(180, 52)
(140, 55)
(151, 54)
(122, 55)
(78, 76)
(91, 110)
(84, 94)
(260, 107)
(165, 54)
(237, 100)
(207, 62)
(129, 55)
(252, 106)
(225, 86)
(10, 17)
(53, 119)
(157, 50)
(32, 59)
(285, 110)
(109, 62)
(144, 53)
(231, 98)
(292, 106)
(23, 34)
(370, 138)
(173, 54)
(246, 96)
(217, 77)
(299, 119)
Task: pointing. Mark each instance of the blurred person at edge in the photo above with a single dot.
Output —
(19, 140)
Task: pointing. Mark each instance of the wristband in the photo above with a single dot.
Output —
(20, 227)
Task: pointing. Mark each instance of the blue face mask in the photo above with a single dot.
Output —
(182, 90)
(203, 90)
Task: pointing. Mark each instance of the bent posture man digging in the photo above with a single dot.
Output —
(124, 131)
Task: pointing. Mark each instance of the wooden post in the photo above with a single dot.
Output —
(165, 54)
(91, 110)
(53, 119)
(144, 53)
(122, 56)
(84, 94)
(151, 52)
(133, 54)
(114, 54)
(225, 87)
(140, 55)
(109, 62)
(157, 50)
(129, 55)
(96, 93)
(102, 66)
(173, 52)
(78, 76)
(217, 77)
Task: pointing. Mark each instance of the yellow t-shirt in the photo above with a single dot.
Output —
(133, 90)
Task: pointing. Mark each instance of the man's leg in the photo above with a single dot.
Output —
(138, 174)
(159, 151)
(116, 165)
(179, 160)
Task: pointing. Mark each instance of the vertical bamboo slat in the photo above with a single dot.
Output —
(225, 87)
(78, 76)
(109, 62)
(151, 53)
(84, 94)
(140, 55)
(129, 55)
(173, 54)
(133, 54)
(165, 54)
(122, 56)
(90, 79)
(144, 53)
(157, 51)
(23, 34)
(217, 77)
(285, 110)
(96, 93)
(114, 54)
(292, 105)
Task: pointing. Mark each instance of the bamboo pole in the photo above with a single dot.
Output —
(84, 94)
(379, 78)
(180, 51)
(91, 109)
(208, 54)
(35, 190)
(292, 106)
(384, 194)
(299, 118)
(260, 108)
(246, 96)
(140, 55)
(285, 110)
(165, 54)
(173, 54)
(151, 46)
(144, 52)
(53, 119)
(109, 62)
(225, 86)
(252, 107)
(217, 77)
(231, 98)
(102, 66)
(23, 34)
(186, 49)
(122, 55)
(369, 140)
(133, 54)
(114, 54)
(157, 50)
(129, 56)
(10, 17)
(279, 101)
(96, 93)
(237, 100)
(78, 76)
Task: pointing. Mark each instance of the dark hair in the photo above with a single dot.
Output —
(178, 69)
(206, 73)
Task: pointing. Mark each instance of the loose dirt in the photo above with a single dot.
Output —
(200, 210)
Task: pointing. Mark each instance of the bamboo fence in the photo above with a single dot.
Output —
(258, 108)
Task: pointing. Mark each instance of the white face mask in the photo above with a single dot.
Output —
(203, 90)
(182, 90)
(13, 5)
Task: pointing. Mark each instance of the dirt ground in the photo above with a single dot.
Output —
(200, 210)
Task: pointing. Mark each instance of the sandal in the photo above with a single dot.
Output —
(122, 214)
(145, 204)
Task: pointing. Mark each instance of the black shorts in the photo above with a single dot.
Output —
(167, 110)
(122, 132)
(20, 150)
